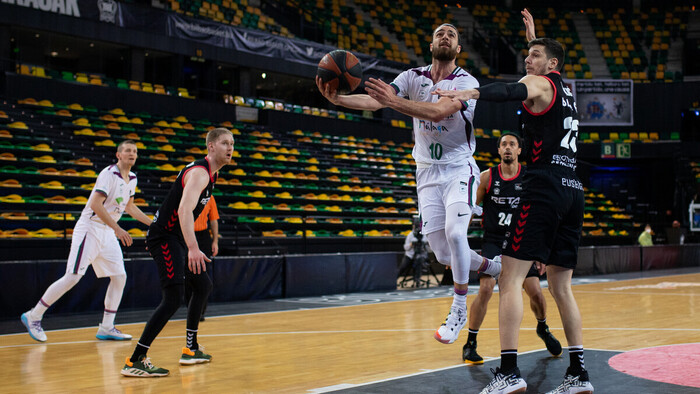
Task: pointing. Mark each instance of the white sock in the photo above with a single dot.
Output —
(108, 318)
(460, 301)
(37, 313)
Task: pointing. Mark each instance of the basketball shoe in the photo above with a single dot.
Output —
(553, 345)
(574, 384)
(469, 354)
(449, 330)
(505, 383)
(190, 356)
(143, 368)
(111, 333)
(33, 327)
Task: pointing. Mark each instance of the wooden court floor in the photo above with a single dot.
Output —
(318, 349)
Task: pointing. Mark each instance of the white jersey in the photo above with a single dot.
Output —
(450, 140)
(111, 184)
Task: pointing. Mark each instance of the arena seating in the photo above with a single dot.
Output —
(233, 12)
(274, 187)
(410, 21)
(280, 183)
(100, 80)
(636, 44)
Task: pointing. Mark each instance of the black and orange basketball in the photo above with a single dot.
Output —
(341, 69)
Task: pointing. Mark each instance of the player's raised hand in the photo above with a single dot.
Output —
(529, 22)
(124, 237)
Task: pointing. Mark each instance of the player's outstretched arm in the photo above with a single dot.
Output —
(353, 101)
(385, 94)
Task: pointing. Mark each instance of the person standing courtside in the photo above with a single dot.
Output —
(95, 242)
(447, 175)
(550, 215)
(173, 245)
(500, 190)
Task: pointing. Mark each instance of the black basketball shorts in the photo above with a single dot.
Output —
(547, 225)
(170, 255)
(491, 250)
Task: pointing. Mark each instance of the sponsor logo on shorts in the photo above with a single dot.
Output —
(459, 214)
(572, 183)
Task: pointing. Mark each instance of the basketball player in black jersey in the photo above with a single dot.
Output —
(500, 191)
(172, 244)
(547, 227)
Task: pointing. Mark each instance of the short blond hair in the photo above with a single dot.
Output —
(214, 134)
(125, 142)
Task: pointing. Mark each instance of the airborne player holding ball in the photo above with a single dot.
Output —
(447, 175)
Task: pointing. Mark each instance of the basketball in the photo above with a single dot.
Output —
(341, 69)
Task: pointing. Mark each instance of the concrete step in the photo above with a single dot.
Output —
(590, 45)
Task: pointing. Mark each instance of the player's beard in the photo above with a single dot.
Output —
(444, 54)
(508, 161)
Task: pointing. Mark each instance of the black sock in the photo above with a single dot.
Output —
(472, 336)
(509, 360)
(576, 360)
(138, 352)
(192, 339)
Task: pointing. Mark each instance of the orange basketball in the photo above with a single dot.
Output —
(341, 69)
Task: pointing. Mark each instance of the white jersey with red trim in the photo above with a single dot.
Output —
(452, 139)
(117, 193)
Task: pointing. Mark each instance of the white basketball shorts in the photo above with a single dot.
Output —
(95, 244)
(441, 185)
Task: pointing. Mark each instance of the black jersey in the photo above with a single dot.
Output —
(166, 219)
(500, 202)
(550, 136)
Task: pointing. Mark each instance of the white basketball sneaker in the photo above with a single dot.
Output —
(111, 334)
(505, 383)
(574, 384)
(33, 327)
(454, 323)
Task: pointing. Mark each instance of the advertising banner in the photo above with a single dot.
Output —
(604, 102)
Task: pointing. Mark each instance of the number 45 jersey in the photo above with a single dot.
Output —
(451, 140)
(500, 202)
(550, 136)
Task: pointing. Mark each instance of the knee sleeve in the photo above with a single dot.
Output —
(114, 292)
(438, 243)
(71, 279)
(456, 227)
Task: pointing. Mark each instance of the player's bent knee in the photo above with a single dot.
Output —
(119, 280)
(72, 279)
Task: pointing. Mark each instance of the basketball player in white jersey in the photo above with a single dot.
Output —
(95, 242)
(447, 175)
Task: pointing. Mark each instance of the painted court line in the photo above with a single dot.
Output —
(319, 332)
